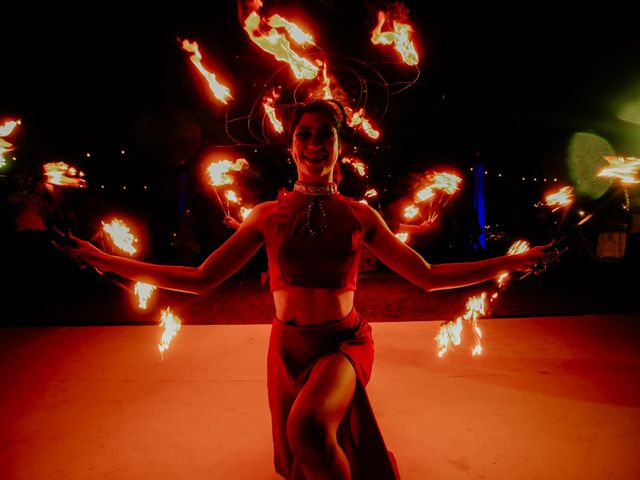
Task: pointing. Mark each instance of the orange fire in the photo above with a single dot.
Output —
(171, 325)
(357, 165)
(410, 212)
(358, 119)
(400, 37)
(220, 91)
(143, 292)
(7, 128)
(120, 235)
(371, 193)
(450, 333)
(219, 172)
(264, 33)
(623, 169)
(519, 246)
(559, 199)
(402, 236)
(268, 102)
(61, 174)
(244, 212)
(437, 190)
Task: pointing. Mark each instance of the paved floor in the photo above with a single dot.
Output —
(550, 398)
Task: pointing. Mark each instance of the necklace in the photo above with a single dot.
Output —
(315, 190)
(315, 215)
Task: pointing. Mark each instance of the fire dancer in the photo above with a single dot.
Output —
(321, 349)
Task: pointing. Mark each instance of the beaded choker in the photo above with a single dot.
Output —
(315, 190)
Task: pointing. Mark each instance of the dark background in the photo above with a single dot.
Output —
(501, 84)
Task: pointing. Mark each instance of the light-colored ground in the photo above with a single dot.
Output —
(550, 398)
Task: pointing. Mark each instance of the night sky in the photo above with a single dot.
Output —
(502, 84)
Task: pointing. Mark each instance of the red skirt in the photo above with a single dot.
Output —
(293, 351)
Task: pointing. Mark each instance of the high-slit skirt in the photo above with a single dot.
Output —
(293, 352)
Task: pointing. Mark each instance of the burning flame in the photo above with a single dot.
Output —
(7, 127)
(400, 37)
(171, 325)
(561, 198)
(244, 212)
(402, 236)
(438, 189)
(277, 44)
(450, 333)
(519, 246)
(143, 291)
(268, 103)
(63, 175)
(371, 193)
(219, 171)
(120, 235)
(357, 165)
(232, 196)
(358, 119)
(220, 91)
(410, 212)
(624, 169)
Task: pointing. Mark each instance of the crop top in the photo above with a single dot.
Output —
(323, 256)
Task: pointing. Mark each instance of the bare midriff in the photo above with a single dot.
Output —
(312, 306)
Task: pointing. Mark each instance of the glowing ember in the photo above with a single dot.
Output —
(232, 196)
(244, 212)
(400, 37)
(63, 175)
(171, 324)
(371, 193)
(268, 103)
(277, 44)
(357, 165)
(220, 91)
(450, 333)
(410, 212)
(143, 291)
(120, 235)
(7, 127)
(561, 198)
(219, 172)
(358, 119)
(624, 169)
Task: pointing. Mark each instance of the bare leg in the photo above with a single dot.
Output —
(313, 422)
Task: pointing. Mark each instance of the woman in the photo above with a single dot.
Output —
(321, 350)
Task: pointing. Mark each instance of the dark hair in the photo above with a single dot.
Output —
(293, 113)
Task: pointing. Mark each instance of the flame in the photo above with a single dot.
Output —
(450, 333)
(277, 44)
(437, 189)
(232, 196)
(61, 174)
(624, 169)
(519, 246)
(143, 291)
(326, 83)
(294, 31)
(7, 127)
(402, 236)
(120, 235)
(244, 212)
(358, 119)
(371, 193)
(220, 91)
(171, 325)
(357, 165)
(219, 171)
(410, 212)
(268, 103)
(561, 198)
(400, 38)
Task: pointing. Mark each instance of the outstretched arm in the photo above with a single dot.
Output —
(221, 264)
(408, 263)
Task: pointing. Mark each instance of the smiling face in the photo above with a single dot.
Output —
(315, 147)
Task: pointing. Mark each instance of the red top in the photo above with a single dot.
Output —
(327, 259)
